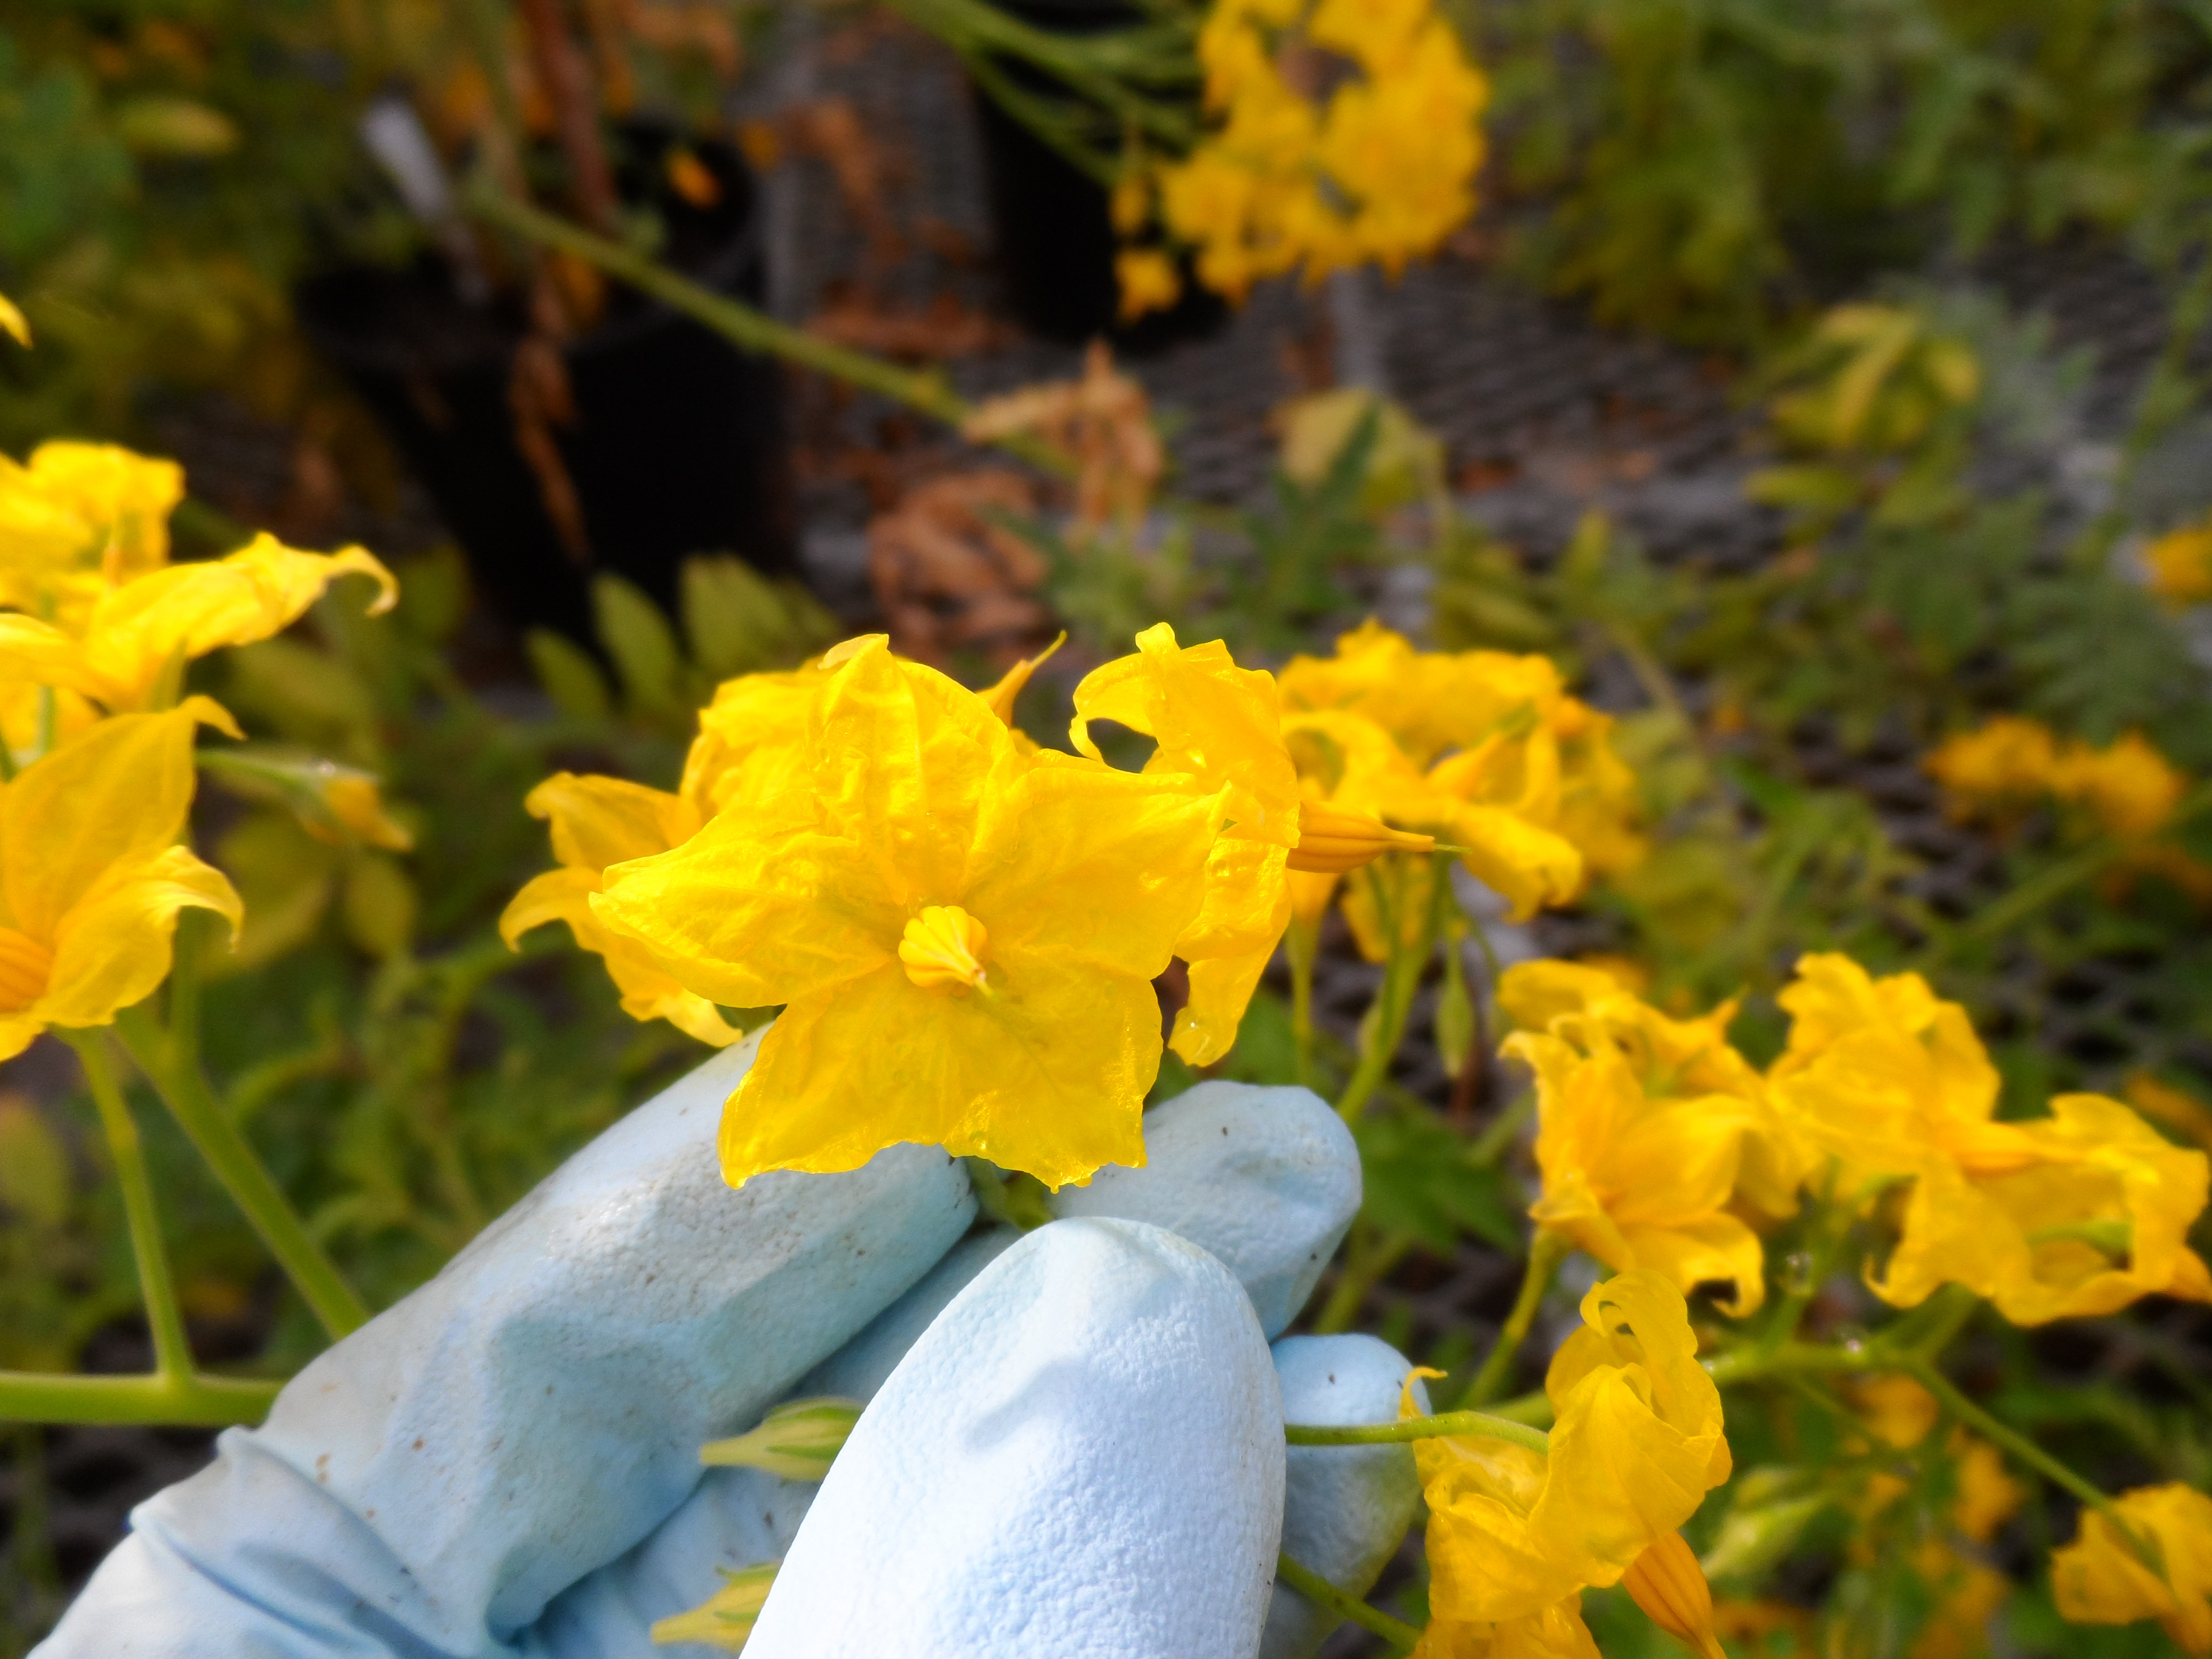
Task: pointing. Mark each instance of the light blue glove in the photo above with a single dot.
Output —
(506, 1463)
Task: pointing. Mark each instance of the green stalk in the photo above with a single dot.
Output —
(1372, 1255)
(1325, 1595)
(184, 1090)
(752, 330)
(211, 1402)
(1302, 941)
(1545, 1251)
(1402, 977)
(2004, 1435)
(1479, 1426)
(164, 1321)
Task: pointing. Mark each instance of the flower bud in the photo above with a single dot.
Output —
(1669, 1584)
(796, 1441)
(725, 1619)
(1332, 840)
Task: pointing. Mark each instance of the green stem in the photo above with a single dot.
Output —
(164, 1321)
(1488, 1147)
(2001, 1434)
(755, 330)
(184, 1090)
(1325, 1595)
(211, 1402)
(1302, 943)
(1546, 1252)
(1372, 1255)
(2061, 879)
(1479, 1425)
(1402, 977)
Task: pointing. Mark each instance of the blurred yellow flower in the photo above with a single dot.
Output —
(2099, 1580)
(2077, 1214)
(1521, 776)
(145, 629)
(1637, 1444)
(1023, 1027)
(91, 876)
(1382, 170)
(1148, 280)
(78, 519)
(13, 323)
(2128, 788)
(597, 822)
(2179, 563)
(1652, 1132)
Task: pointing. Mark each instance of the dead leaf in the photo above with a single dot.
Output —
(1103, 419)
(947, 578)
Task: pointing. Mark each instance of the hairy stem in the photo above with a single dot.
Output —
(211, 1402)
(1479, 1426)
(1325, 1595)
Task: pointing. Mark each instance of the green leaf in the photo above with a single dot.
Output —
(569, 676)
(1423, 1179)
(643, 647)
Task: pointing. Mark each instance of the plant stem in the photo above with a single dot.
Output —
(1402, 976)
(184, 1090)
(1302, 941)
(754, 331)
(568, 87)
(1325, 1595)
(1372, 1255)
(211, 1402)
(1545, 1251)
(1480, 1426)
(165, 1321)
(2003, 1434)
(1488, 1147)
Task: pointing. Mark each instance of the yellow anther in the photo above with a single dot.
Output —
(944, 948)
(1332, 840)
(1000, 697)
(26, 965)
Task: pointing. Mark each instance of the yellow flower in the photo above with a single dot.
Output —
(1556, 1632)
(136, 630)
(1527, 783)
(13, 323)
(2180, 563)
(1676, 1058)
(1219, 729)
(597, 822)
(2128, 787)
(78, 519)
(2099, 1220)
(1148, 281)
(2008, 761)
(2077, 1214)
(1647, 1126)
(963, 937)
(755, 718)
(1638, 1444)
(1883, 1074)
(2099, 1580)
(91, 876)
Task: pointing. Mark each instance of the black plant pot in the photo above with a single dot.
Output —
(677, 443)
(1050, 222)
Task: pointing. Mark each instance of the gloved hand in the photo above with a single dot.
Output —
(1074, 1446)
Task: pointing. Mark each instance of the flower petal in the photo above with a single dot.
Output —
(114, 946)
